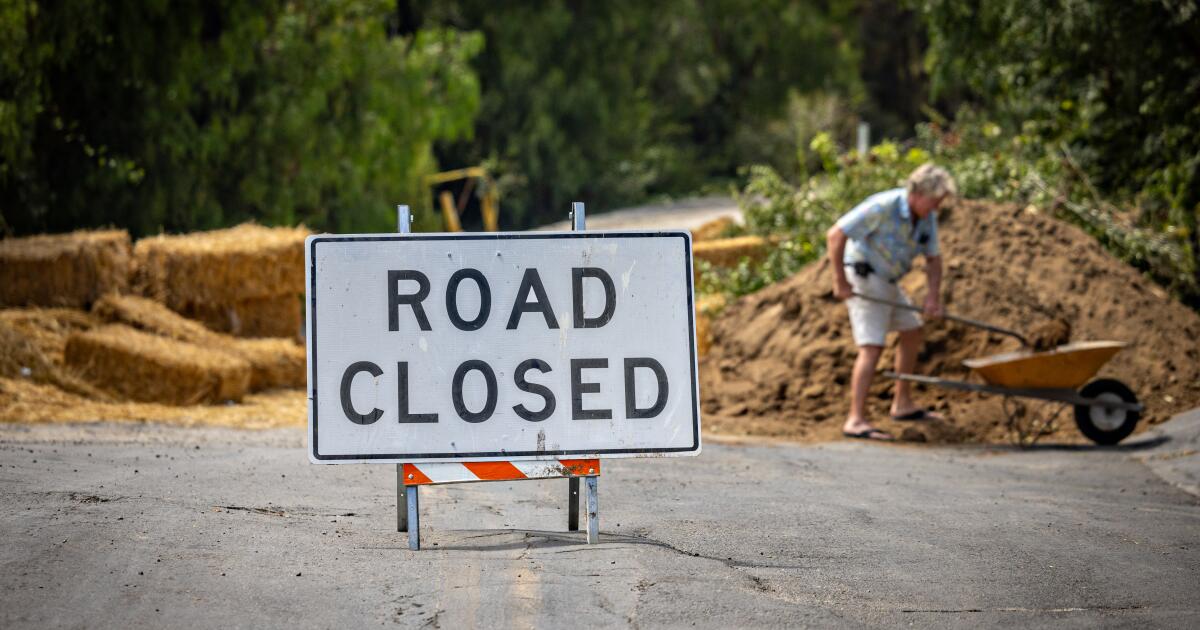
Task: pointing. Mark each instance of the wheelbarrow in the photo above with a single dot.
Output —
(1106, 410)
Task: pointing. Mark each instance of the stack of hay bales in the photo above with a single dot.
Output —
(63, 269)
(273, 362)
(245, 281)
(26, 357)
(728, 252)
(714, 229)
(146, 367)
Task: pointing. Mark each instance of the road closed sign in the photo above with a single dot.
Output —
(439, 347)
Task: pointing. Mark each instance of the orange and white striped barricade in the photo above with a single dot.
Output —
(411, 476)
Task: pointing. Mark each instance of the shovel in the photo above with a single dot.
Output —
(953, 318)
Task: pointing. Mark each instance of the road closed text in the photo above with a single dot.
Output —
(408, 290)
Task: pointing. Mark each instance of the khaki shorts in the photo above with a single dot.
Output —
(871, 321)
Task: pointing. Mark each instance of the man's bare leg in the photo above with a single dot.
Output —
(906, 361)
(860, 385)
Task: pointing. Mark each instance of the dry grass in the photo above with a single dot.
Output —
(24, 401)
(64, 269)
(221, 267)
(141, 366)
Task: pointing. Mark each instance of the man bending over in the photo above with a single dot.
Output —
(871, 248)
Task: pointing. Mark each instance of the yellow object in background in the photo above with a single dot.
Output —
(489, 204)
(449, 212)
(1065, 367)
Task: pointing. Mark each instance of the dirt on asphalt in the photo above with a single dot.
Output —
(781, 358)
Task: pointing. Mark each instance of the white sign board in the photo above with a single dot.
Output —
(500, 346)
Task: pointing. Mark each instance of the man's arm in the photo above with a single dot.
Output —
(933, 287)
(835, 243)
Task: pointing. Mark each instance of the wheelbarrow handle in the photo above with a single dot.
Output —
(954, 318)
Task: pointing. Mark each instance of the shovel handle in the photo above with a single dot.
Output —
(954, 318)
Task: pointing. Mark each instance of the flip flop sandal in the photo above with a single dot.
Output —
(870, 434)
(916, 415)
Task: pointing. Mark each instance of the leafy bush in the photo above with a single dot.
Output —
(987, 161)
(1112, 89)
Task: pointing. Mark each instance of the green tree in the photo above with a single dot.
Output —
(609, 102)
(1118, 83)
(179, 116)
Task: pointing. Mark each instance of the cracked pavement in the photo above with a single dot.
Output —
(135, 525)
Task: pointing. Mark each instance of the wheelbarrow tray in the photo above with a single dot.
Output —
(1065, 367)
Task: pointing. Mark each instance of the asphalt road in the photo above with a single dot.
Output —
(682, 214)
(147, 526)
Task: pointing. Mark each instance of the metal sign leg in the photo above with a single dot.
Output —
(573, 504)
(593, 510)
(401, 500)
(414, 518)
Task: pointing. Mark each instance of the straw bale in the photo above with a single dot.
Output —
(278, 316)
(728, 252)
(712, 230)
(273, 362)
(64, 269)
(145, 367)
(222, 266)
(150, 316)
(21, 357)
(47, 328)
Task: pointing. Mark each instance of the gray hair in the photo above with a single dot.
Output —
(931, 180)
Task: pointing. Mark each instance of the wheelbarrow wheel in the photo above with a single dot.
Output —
(1105, 425)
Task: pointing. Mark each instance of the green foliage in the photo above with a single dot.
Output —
(801, 213)
(987, 162)
(1112, 84)
(610, 102)
(153, 115)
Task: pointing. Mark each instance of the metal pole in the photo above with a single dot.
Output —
(403, 219)
(577, 216)
(573, 504)
(414, 518)
(954, 318)
(401, 500)
(578, 224)
(406, 501)
(593, 510)
(864, 138)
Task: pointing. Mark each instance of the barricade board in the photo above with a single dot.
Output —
(500, 346)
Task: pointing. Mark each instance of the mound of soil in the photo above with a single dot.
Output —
(781, 358)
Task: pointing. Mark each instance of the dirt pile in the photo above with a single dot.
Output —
(1049, 335)
(781, 358)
